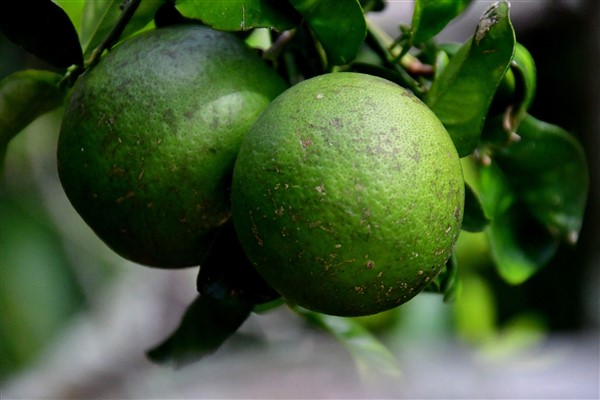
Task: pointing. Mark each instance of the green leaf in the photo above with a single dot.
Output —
(523, 67)
(519, 244)
(207, 323)
(24, 96)
(431, 16)
(463, 92)
(43, 29)
(241, 15)
(474, 218)
(548, 171)
(100, 17)
(372, 359)
(341, 28)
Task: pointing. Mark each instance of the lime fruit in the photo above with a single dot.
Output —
(150, 135)
(348, 194)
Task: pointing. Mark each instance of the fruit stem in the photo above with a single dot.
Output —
(393, 55)
(128, 7)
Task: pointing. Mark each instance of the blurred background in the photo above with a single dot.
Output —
(76, 319)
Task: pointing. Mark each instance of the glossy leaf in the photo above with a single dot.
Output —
(548, 171)
(519, 244)
(463, 92)
(43, 29)
(74, 10)
(474, 218)
(523, 67)
(100, 17)
(373, 360)
(24, 96)
(431, 16)
(340, 27)
(207, 323)
(241, 15)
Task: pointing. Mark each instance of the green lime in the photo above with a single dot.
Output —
(348, 194)
(150, 135)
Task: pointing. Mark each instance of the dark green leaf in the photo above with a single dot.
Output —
(497, 129)
(226, 272)
(24, 96)
(229, 289)
(463, 92)
(373, 360)
(450, 284)
(548, 171)
(431, 16)
(207, 323)
(519, 244)
(241, 15)
(43, 29)
(100, 17)
(474, 218)
(341, 28)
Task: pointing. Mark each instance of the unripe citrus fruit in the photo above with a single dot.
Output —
(149, 138)
(348, 194)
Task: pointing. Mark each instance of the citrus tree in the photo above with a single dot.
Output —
(362, 156)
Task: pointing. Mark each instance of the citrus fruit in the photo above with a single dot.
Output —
(347, 194)
(149, 138)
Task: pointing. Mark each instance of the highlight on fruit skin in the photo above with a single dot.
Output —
(348, 194)
(150, 135)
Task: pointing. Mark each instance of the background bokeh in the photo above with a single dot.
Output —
(76, 319)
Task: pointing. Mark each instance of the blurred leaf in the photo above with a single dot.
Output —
(39, 290)
(100, 17)
(241, 15)
(475, 311)
(207, 323)
(474, 218)
(373, 360)
(43, 29)
(24, 96)
(463, 92)
(431, 16)
(519, 244)
(340, 29)
(548, 171)
(226, 272)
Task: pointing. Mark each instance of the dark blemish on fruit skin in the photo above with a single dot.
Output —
(370, 264)
(305, 143)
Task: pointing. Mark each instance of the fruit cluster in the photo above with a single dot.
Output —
(345, 190)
